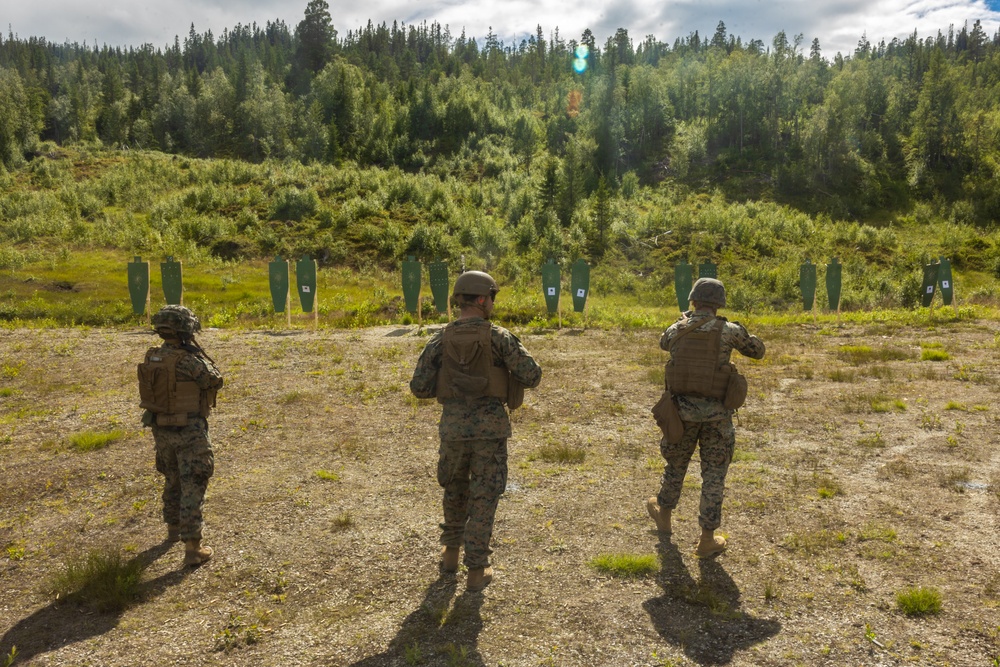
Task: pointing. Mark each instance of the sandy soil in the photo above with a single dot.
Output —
(861, 471)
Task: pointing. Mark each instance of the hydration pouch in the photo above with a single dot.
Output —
(159, 390)
(467, 369)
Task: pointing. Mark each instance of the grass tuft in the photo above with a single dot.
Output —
(934, 355)
(88, 441)
(292, 397)
(344, 521)
(327, 475)
(919, 601)
(863, 354)
(560, 454)
(828, 487)
(626, 566)
(104, 579)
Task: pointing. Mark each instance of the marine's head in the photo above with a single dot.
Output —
(476, 289)
(176, 322)
(708, 292)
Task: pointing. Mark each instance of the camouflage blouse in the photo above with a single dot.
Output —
(480, 418)
(734, 337)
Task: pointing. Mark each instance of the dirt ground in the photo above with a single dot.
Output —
(861, 471)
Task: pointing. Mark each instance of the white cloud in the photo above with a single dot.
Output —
(838, 24)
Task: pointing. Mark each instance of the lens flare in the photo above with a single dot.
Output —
(580, 61)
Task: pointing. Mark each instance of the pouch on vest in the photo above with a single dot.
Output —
(736, 390)
(668, 418)
(159, 390)
(467, 369)
(515, 394)
(164, 419)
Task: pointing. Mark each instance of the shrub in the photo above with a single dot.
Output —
(294, 204)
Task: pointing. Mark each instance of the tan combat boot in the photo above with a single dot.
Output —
(660, 516)
(449, 559)
(710, 545)
(195, 554)
(173, 532)
(479, 579)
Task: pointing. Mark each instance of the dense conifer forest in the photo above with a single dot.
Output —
(890, 123)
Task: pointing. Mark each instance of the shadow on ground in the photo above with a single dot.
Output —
(703, 617)
(434, 634)
(62, 623)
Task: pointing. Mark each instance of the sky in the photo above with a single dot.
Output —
(838, 24)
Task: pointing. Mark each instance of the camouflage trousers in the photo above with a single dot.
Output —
(473, 474)
(184, 457)
(716, 441)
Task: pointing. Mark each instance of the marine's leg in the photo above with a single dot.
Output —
(717, 442)
(453, 476)
(488, 480)
(166, 442)
(196, 463)
(677, 458)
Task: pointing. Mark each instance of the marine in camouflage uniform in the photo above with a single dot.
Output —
(472, 462)
(707, 424)
(184, 454)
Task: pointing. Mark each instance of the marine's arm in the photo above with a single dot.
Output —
(522, 366)
(201, 371)
(423, 384)
(743, 341)
(668, 335)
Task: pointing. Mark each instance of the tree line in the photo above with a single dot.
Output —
(879, 129)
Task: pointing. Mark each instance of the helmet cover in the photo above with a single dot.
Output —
(708, 291)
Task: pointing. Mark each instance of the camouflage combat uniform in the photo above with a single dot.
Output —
(184, 453)
(472, 461)
(707, 425)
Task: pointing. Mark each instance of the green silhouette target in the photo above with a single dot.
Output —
(551, 285)
(834, 282)
(277, 275)
(305, 277)
(945, 281)
(173, 285)
(437, 273)
(580, 284)
(708, 270)
(683, 281)
(138, 284)
(807, 284)
(411, 284)
(930, 280)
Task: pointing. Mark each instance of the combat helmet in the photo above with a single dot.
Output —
(708, 291)
(177, 318)
(476, 283)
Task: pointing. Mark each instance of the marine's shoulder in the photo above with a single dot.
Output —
(165, 349)
(736, 327)
(496, 329)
